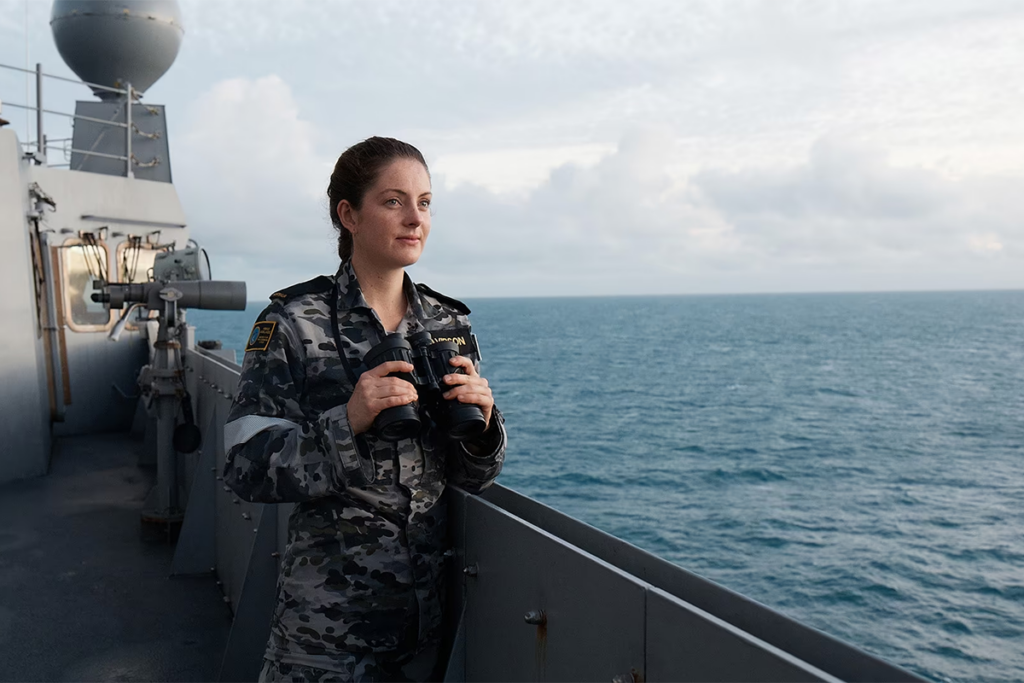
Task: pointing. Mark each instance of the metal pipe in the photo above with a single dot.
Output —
(67, 80)
(53, 327)
(115, 334)
(166, 456)
(92, 154)
(40, 142)
(70, 116)
(130, 172)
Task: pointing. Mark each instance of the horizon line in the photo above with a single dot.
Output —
(711, 294)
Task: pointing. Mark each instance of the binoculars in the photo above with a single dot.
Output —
(459, 421)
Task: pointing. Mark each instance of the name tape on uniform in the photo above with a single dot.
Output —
(461, 336)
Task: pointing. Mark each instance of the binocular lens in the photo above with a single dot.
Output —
(397, 423)
(465, 421)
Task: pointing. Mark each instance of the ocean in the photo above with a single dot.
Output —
(852, 460)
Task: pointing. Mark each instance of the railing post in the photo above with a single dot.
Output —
(40, 138)
(128, 131)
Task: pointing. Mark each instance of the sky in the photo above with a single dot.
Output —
(604, 147)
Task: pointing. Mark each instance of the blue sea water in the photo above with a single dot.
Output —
(853, 460)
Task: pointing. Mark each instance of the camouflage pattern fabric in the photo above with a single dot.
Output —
(362, 571)
(369, 666)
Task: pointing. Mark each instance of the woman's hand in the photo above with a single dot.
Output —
(375, 392)
(470, 387)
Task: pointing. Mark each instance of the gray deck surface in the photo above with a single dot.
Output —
(82, 596)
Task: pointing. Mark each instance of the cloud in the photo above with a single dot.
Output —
(252, 179)
(252, 171)
(849, 204)
(606, 148)
(844, 218)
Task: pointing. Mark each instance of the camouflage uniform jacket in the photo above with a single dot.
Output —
(363, 567)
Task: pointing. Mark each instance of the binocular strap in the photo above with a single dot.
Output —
(336, 331)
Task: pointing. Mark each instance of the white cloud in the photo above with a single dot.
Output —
(512, 171)
(848, 204)
(844, 218)
(252, 172)
(761, 177)
(253, 182)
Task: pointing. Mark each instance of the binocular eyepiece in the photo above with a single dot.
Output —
(460, 421)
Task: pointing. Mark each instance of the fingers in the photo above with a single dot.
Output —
(474, 394)
(381, 404)
(466, 364)
(471, 393)
(468, 388)
(385, 386)
(375, 395)
(465, 379)
(388, 368)
(481, 400)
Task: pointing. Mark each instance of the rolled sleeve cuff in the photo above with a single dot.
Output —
(491, 444)
(350, 466)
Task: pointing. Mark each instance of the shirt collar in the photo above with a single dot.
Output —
(351, 295)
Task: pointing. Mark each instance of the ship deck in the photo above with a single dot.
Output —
(85, 595)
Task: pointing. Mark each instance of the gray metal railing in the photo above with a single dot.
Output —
(542, 596)
(40, 144)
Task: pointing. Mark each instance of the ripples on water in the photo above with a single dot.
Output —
(854, 461)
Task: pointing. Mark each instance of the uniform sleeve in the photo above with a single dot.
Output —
(475, 464)
(275, 452)
(475, 467)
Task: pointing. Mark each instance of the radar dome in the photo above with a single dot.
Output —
(113, 42)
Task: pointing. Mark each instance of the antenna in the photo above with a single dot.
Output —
(28, 87)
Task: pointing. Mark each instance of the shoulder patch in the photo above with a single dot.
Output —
(259, 338)
(454, 303)
(319, 284)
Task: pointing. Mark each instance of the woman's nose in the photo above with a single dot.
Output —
(413, 216)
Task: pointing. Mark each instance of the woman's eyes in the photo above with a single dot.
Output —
(425, 203)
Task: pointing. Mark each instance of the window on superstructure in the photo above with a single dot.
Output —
(85, 264)
(135, 259)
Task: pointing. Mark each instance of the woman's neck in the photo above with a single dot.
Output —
(382, 288)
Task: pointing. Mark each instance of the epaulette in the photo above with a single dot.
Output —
(317, 285)
(454, 303)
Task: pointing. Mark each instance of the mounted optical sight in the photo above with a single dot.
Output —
(161, 382)
(221, 295)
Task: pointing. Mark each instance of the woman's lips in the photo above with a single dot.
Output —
(409, 240)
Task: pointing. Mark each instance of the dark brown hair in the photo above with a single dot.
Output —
(357, 169)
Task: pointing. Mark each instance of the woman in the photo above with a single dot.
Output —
(361, 589)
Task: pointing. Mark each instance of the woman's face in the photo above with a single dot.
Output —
(391, 227)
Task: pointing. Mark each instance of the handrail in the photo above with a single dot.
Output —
(88, 153)
(40, 144)
(70, 116)
(121, 91)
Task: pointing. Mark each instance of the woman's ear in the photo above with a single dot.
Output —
(347, 215)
